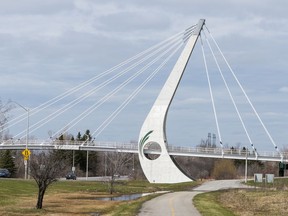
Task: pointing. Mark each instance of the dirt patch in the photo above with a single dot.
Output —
(61, 204)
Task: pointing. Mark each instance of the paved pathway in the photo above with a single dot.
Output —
(180, 203)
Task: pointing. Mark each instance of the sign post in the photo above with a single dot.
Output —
(26, 153)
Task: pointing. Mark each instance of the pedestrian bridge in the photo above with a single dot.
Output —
(152, 140)
(126, 147)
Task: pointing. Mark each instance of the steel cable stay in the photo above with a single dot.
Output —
(96, 105)
(97, 88)
(231, 96)
(246, 96)
(115, 76)
(69, 92)
(113, 115)
(212, 97)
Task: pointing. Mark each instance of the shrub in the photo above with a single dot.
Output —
(224, 169)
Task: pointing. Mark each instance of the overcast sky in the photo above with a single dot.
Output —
(48, 47)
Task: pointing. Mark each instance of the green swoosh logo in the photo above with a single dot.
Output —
(142, 142)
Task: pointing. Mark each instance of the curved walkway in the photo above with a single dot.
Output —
(180, 203)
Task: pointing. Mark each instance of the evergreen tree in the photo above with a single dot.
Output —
(61, 137)
(81, 156)
(7, 161)
(87, 136)
(79, 136)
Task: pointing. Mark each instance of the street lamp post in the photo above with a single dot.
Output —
(246, 165)
(73, 161)
(27, 135)
(105, 164)
(27, 140)
(87, 164)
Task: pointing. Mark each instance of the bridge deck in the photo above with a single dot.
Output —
(133, 148)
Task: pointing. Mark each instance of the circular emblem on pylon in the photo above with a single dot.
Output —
(152, 150)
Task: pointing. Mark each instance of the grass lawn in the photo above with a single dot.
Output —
(208, 205)
(262, 199)
(18, 197)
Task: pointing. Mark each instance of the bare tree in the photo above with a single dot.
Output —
(115, 165)
(45, 169)
(4, 110)
(197, 168)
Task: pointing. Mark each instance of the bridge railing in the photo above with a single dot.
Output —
(50, 142)
(134, 146)
(118, 145)
(23, 142)
(228, 151)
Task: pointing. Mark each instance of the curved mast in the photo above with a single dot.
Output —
(154, 126)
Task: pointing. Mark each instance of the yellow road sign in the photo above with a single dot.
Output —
(26, 158)
(26, 153)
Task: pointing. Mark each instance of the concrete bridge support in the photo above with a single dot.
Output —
(153, 132)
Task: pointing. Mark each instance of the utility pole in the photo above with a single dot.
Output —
(246, 165)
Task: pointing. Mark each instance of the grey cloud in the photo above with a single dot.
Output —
(62, 43)
(28, 7)
(284, 89)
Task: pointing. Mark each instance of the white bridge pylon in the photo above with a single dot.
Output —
(153, 131)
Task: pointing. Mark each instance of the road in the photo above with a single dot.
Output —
(180, 203)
